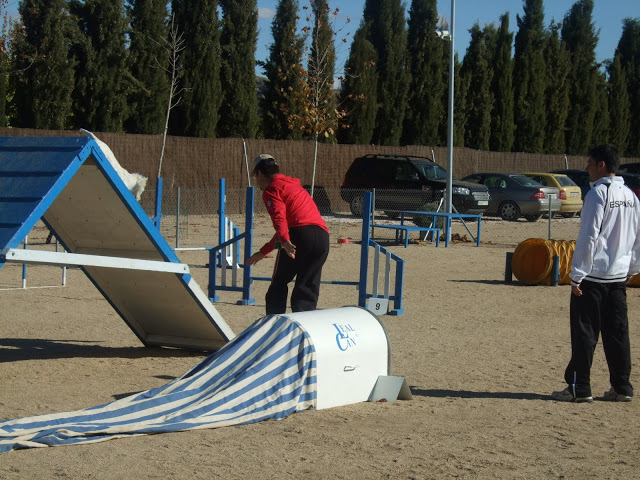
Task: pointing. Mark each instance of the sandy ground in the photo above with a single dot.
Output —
(481, 357)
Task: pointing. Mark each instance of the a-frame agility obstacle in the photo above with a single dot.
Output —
(69, 184)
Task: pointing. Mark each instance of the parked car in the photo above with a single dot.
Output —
(514, 195)
(632, 180)
(407, 182)
(581, 177)
(570, 193)
(629, 168)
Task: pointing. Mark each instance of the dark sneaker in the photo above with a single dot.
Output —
(566, 396)
(612, 396)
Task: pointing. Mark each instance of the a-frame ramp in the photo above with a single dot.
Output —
(69, 184)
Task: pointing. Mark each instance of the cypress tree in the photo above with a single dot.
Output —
(282, 70)
(320, 102)
(480, 99)
(619, 113)
(148, 61)
(239, 109)
(461, 89)
(197, 114)
(102, 78)
(425, 112)
(4, 68)
(529, 79)
(42, 76)
(389, 38)
(557, 96)
(502, 122)
(581, 39)
(358, 95)
(629, 51)
(601, 119)
(461, 86)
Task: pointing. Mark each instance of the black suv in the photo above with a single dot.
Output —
(407, 182)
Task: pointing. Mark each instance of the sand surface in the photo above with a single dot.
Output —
(481, 357)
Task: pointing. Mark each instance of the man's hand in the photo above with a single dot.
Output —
(289, 248)
(575, 289)
(255, 258)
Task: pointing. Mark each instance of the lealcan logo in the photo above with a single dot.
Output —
(346, 337)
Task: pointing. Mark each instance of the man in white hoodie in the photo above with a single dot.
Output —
(607, 253)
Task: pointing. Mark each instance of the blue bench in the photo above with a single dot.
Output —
(447, 224)
(403, 231)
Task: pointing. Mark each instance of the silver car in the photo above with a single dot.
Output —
(514, 195)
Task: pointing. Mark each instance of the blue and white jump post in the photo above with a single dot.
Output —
(219, 259)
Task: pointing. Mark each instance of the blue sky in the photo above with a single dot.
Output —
(607, 15)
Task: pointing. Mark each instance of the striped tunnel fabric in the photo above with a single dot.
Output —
(267, 372)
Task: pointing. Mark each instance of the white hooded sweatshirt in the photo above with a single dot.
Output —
(608, 245)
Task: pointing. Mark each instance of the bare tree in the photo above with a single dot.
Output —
(174, 46)
(320, 112)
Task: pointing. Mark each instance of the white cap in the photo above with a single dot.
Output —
(263, 158)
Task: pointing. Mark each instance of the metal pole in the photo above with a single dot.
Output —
(364, 250)
(555, 271)
(246, 162)
(64, 268)
(178, 217)
(451, 96)
(551, 197)
(508, 272)
(158, 217)
(24, 265)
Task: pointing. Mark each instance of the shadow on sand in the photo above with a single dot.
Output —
(18, 349)
(440, 393)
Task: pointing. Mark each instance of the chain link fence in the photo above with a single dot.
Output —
(190, 218)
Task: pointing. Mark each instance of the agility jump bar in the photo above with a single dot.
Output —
(78, 259)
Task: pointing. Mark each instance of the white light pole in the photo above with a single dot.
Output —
(449, 203)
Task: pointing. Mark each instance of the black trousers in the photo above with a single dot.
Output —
(602, 309)
(312, 249)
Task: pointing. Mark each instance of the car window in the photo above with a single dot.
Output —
(404, 172)
(629, 168)
(379, 170)
(494, 181)
(526, 181)
(541, 180)
(582, 180)
(631, 180)
(564, 181)
(431, 171)
(473, 178)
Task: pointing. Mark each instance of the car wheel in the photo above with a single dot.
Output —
(356, 205)
(509, 211)
(533, 218)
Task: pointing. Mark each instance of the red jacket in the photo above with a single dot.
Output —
(289, 205)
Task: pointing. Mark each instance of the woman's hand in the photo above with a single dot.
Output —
(289, 248)
(255, 258)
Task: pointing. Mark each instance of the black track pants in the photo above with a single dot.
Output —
(312, 248)
(602, 308)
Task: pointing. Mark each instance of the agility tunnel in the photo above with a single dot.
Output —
(279, 365)
(532, 261)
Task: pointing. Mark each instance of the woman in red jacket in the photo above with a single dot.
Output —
(300, 231)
